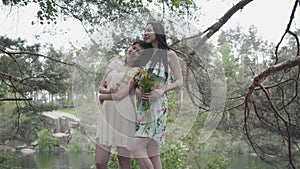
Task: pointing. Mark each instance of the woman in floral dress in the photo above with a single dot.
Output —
(150, 125)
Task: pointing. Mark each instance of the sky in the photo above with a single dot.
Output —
(269, 16)
(18, 23)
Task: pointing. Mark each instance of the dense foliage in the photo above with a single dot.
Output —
(46, 141)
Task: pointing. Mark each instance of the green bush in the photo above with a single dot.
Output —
(218, 161)
(175, 156)
(46, 140)
(114, 163)
(76, 143)
(211, 161)
(5, 160)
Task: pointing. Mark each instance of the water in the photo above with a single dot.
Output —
(239, 161)
(82, 160)
(54, 160)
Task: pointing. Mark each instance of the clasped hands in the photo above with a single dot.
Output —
(114, 88)
(111, 90)
(153, 96)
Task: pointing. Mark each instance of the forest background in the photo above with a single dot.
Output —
(257, 83)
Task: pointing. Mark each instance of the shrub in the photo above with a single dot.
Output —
(76, 143)
(46, 140)
(175, 156)
(5, 160)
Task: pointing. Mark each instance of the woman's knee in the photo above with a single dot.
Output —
(102, 156)
(101, 164)
(102, 161)
(124, 162)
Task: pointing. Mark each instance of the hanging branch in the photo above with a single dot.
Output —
(205, 36)
(72, 64)
(258, 79)
(15, 99)
(215, 27)
(11, 53)
(257, 85)
(287, 31)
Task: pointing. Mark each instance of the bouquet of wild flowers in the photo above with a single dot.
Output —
(146, 82)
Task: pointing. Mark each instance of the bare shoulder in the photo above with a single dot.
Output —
(172, 55)
(113, 64)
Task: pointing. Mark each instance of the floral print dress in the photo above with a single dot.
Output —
(154, 127)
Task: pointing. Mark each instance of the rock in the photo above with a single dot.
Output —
(253, 154)
(74, 125)
(73, 131)
(62, 138)
(21, 147)
(59, 121)
(27, 151)
(6, 142)
(60, 135)
(35, 143)
(60, 149)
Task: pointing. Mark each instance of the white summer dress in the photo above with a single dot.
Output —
(116, 120)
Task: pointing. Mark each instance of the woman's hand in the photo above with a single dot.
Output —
(154, 95)
(114, 88)
(157, 93)
(145, 96)
(141, 95)
(100, 99)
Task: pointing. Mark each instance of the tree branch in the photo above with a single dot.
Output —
(16, 99)
(215, 27)
(287, 30)
(10, 53)
(271, 70)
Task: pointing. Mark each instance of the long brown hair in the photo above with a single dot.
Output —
(161, 56)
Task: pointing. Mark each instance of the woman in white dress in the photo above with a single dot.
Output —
(116, 121)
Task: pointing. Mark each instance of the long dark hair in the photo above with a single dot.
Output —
(161, 56)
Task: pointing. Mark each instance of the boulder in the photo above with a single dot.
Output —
(35, 143)
(63, 138)
(27, 151)
(60, 122)
(21, 147)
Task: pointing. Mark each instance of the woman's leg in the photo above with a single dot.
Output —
(124, 158)
(138, 149)
(153, 153)
(102, 156)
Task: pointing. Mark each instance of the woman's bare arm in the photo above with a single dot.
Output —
(124, 90)
(103, 86)
(176, 69)
(178, 79)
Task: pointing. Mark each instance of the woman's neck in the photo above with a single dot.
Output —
(155, 44)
